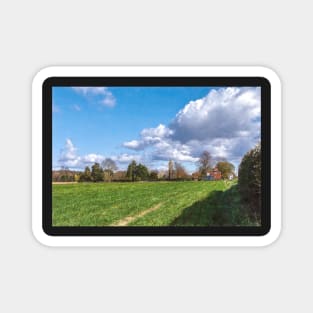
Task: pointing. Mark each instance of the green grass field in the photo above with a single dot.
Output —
(189, 203)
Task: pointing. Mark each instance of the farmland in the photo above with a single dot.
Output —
(189, 203)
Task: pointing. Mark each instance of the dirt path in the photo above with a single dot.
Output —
(125, 221)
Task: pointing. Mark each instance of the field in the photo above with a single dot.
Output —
(189, 203)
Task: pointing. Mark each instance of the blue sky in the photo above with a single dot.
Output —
(152, 124)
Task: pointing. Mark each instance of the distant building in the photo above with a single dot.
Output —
(214, 174)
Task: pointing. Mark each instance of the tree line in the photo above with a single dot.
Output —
(107, 171)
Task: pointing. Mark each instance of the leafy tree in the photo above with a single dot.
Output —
(107, 175)
(109, 166)
(86, 175)
(96, 172)
(65, 174)
(137, 172)
(142, 171)
(225, 168)
(63, 178)
(154, 175)
(249, 180)
(132, 170)
(77, 177)
(88, 172)
(205, 163)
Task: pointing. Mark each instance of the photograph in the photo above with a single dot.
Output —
(156, 156)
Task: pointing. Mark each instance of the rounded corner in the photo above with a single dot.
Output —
(41, 236)
(270, 75)
(43, 75)
(272, 236)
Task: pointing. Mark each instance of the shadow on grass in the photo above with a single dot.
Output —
(220, 208)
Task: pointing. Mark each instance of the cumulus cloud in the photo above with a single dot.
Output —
(103, 95)
(69, 157)
(149, 136)
(126, 158)
(173, 150)
(108, 100)
(225, 122)
(158, 132)
(135, 144)
(92, 158)
(223, 113)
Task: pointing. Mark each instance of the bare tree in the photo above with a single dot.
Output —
(109, 166)
(170, 169)
(205, 162)
(180, 171)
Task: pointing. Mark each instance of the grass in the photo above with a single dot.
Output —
(178, 203)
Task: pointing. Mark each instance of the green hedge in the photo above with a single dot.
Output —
(249, 181)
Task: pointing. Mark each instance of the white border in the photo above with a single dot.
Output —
(126, 71)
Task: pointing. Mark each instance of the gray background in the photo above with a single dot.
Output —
(36, 34)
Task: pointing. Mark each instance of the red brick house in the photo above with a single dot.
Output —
(214, 174)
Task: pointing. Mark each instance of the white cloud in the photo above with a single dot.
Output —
(158, 132)
(225, 122)
(108, 100)
(221, 114)
(69, 157)
(103, 95)
(167, 149)
(134, 144)
(173, 151)
(149, 136)
(92, 158)
(91, 90)
(126, 158)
